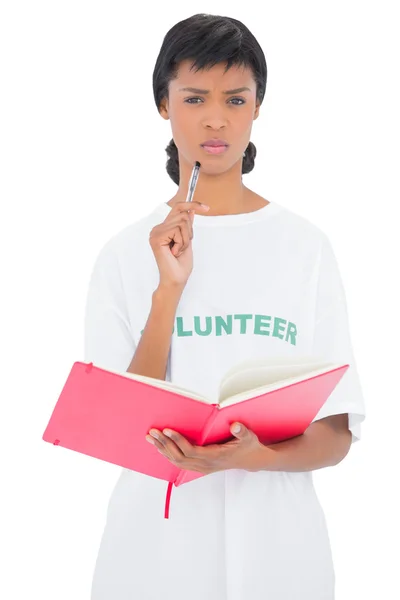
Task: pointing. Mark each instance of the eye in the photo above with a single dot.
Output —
(240, 100)
(187, 100)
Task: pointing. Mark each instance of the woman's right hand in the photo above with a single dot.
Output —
(171, 242)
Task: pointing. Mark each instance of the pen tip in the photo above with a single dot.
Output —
(197, 164)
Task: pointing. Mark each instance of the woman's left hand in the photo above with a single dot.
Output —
(244, 452)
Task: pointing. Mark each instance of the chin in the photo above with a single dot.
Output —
(214, 167)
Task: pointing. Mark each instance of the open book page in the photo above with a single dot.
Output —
(254, 377)
(247, 379)
(164, 385)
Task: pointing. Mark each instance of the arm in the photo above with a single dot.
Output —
(151, 356)
(324, 444)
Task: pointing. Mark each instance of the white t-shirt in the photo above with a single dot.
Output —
(264, 284)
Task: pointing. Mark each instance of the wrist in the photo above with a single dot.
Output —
(168, 292)
(261, 459)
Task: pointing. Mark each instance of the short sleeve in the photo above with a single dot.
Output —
(332, 342)
(108, 341)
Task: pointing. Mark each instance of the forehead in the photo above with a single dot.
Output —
(213, 77)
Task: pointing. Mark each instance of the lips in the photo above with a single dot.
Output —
(215, 149)
(215, 143)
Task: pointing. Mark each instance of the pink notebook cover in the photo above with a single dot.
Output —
(107, 416)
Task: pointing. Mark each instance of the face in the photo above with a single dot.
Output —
(211, 112)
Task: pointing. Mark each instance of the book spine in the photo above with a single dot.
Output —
(206, 429)
(209, 423)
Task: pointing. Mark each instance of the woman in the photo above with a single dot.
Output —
(255, 281)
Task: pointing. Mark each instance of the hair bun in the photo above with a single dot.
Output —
(173, 161)
(249, 158)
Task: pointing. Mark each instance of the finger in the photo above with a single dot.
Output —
(187, 228)
(190, 224)
(168, 442)
(187, 220)
(186, 448)
(176, 238)
(198, 207)
(237, 428)
(202, 208)
(185, 231)
(181, 234)
(243, 434)
(171, 232)
(166, 447)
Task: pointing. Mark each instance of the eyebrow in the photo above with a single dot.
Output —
(198, 91)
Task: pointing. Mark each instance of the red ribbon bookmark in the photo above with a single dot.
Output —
(167, 500)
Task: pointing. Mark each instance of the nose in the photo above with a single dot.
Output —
(215, 124)
(215, 118)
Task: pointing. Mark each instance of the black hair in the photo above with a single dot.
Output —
(208, 40)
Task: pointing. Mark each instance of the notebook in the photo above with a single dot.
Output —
(106, 414)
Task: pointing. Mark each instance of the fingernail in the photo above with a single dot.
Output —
(149, 439)
(205, 206)
(236, 428)
(154, 434)
(167, 432)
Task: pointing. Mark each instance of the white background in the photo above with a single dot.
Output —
(83, 155)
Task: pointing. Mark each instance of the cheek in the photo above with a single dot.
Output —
(183, 126)
(244, 123)
(180, 115)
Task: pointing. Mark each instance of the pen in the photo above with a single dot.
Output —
(193, 181)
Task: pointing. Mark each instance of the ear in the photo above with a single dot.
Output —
(163, 110)
(257, 111)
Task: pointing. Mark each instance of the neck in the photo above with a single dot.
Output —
(223, 192)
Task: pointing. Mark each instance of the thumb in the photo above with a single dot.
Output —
(239, 430)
